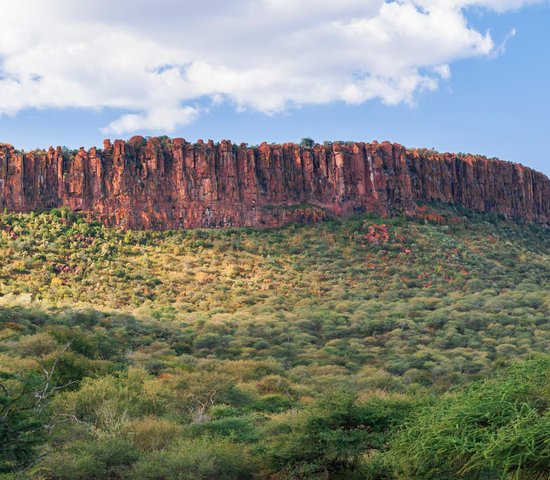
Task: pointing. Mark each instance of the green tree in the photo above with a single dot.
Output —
(21, 427)
(307, 142)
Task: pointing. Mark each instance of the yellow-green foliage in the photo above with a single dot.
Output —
(226, 352)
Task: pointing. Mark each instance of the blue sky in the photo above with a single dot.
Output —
(495, 100)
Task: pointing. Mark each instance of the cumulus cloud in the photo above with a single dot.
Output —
(156, 118)
(156, 60)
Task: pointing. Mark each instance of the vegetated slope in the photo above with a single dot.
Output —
(424, 299)
(211, 349)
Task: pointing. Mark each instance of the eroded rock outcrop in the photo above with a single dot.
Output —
(163, 184)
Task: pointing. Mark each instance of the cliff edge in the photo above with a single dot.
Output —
(163, 183)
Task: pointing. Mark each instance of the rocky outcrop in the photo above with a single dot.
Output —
(161, 183)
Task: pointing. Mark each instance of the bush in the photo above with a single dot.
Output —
(200, 459)
(38, 345)
(497, 428)
(239, 429)
(150, 433)
(108, 402)
(272, 403)
(333, 436)
(107, 458)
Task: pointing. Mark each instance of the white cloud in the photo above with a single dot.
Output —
(156, 118)
(156, 59)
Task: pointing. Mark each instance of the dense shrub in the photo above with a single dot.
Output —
(334, 435)
(110, 458)
(197, 460)
(497, 428)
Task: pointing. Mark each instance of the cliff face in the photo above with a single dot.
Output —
(165, 184)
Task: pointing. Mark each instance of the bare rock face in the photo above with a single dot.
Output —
(161, 183)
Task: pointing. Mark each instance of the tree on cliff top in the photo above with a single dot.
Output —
(307, 142)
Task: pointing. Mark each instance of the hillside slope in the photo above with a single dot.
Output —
(342, 349)
(418, 298)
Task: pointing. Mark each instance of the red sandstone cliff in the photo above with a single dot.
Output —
(161, 183)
